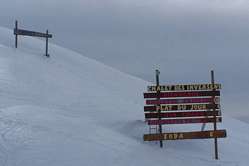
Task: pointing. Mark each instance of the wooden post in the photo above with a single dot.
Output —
(158, 105)
(215, 124)
(16, 27)
(47, 44)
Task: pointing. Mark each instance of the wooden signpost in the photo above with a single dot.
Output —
(183, 104)
(23, 32)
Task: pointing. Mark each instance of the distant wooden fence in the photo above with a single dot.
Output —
(23, 32)
(184, 104)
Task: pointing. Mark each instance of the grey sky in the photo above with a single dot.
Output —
(184, 38)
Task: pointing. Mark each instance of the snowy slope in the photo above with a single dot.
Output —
(70, 110)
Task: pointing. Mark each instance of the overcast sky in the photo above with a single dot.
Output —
(185, 39)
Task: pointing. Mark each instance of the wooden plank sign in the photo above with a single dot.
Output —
(183, 121)
(182, 114)
(186, 135)
(182, 101)
(188, 87)
(181, 107)
(182, 94)
(31, 33)
(18, 31)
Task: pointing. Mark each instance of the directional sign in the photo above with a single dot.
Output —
(182, 94)
(182, 114)
(31, 33)
(188, 87)
(186, 135)
(182, 101)
(183, 121)
(181, 107)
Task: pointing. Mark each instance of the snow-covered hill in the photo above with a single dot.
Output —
(69, 110)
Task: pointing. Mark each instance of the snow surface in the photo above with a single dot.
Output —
(69, 110)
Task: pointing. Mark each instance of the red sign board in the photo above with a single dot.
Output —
(183, 121)
(182, 94)
(181, 101)
(182, 114)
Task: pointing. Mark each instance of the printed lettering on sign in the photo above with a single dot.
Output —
(183, 104)
(194, 87)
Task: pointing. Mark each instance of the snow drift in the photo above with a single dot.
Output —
(71, 110)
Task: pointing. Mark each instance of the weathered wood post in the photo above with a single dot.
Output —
(24, 32)
(215, 123)
(15, 32)
(47, 44)
(158, 104)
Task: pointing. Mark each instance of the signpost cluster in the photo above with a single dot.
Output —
(183, 104)
(23, 32)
